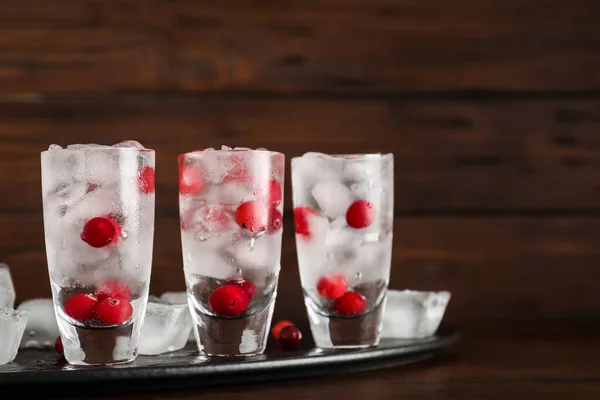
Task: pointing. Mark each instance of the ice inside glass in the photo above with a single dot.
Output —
(98, 206)
(231, 203)
(343, 214)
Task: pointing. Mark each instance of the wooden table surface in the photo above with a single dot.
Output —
(495, 359)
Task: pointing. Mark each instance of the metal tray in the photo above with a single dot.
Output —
(38, 371)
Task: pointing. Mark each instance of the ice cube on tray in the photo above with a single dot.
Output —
(174, 297)
(413, 314)
(41, 329)
(166, 328)
(178, 298)
(12, 327)
(7, 289)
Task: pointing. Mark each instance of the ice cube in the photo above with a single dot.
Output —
(332, 197)
(225, 148)
(166, 328)
(338, 223)
(154, 298)
(207, 220)
(261, 252)
(80, 146)
(61, 170)
(178, 298)
(79, 254)
(412, 314)
(212, 265)
(360, 189)
(342, 243)
(218, 166)
(362, 170)
(58, 201)
(364, 179)
(54, 147)
(371, 258)
(69, 194)
(97, 203)
(229, 193)
(313, 251)
(309, 170)
(41, 329)
(12, 326)
(129, 144)
(206, 258)
(357, 254)
(174, 297)
(135, 256)
(7, 289)
(102, 168)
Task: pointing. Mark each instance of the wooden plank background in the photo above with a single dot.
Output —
(491, 108)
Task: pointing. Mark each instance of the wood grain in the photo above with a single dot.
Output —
(492, 266)
(331, 46)
(491, 108)
(450, 156)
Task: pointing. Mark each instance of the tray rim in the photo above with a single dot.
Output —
(258, 368)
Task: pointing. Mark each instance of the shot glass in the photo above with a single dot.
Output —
(98, 206)
(230, 204)
(343, 215)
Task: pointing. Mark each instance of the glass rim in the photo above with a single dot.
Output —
(345, 156)
(98, 149)
(219, 151)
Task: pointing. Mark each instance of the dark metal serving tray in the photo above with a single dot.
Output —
(44, 371)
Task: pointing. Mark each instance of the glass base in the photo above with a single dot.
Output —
(332, 332)
(83, 346)
(233, 337)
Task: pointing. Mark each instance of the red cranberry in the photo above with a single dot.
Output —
(114, 311)
(118, 229)
(351, 303)
(301, 220)
(59, 346)
(146, 180)
(290, 337)
(360, 214)
(275, 221)
(275, 193)
(100, 232)
(114, 289)
(228, 301)
(81, 307)
(279, 326)
(191, 181)
(252, 216)
(332, 286)
(249, 288)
